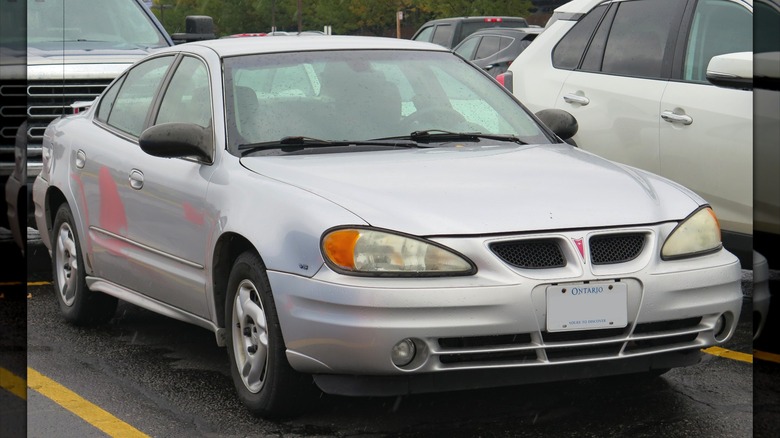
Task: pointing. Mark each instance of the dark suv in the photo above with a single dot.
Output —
(448, 32)
(495, 48)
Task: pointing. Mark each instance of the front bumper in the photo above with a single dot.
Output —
(343, 329)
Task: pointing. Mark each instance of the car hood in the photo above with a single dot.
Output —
(52, 61)
(483, 189)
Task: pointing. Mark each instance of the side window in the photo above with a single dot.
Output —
(488, 47)
(595, 54)
(136, 95)
(187, 98)
(569, 50)
(442, 35)
(718, 27)
(425, 34)
(107, 102)
(467, 47)
(638, 37)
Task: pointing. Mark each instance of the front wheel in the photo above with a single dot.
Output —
(78, 304)
(265, 381)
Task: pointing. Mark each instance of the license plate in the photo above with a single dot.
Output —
(586, 306)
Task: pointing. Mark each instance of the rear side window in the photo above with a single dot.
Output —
(442, 35)
(569, 50)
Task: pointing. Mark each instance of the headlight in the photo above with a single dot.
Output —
(696, 235)
(362, 251)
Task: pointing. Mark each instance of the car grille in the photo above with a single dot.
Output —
(605, 249)
(13, 112)
(560, 347)
(615, 248)
(530, 254)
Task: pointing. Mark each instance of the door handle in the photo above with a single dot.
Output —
(81, 159)
(576, 98)
(136, 179)
(671, 117)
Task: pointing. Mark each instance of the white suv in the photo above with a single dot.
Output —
(639, 76)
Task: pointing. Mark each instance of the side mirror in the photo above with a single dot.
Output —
(177, 140)
(562, 123)
(197, 28)
(731, 70)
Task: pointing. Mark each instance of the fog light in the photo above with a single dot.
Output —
(403, 353)
(720, 327)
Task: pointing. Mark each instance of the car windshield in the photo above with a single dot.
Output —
(367, 95)
(98, 25)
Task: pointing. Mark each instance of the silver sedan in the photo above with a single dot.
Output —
(370, 216)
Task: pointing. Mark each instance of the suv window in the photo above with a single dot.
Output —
(488, 46)
(638, 38)
(569, 50)
(718, 27)
(466, 49)
(136, 94)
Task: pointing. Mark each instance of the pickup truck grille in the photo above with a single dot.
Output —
(50, 99)
(46, 100)
(13, 112)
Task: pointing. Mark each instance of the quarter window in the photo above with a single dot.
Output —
(569, 51)
(107, 102)
(136, 94)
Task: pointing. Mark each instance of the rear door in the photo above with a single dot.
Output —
(617, 84)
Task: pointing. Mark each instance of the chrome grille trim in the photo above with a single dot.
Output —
(567, 347)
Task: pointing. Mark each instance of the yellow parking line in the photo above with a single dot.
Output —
(728, 354)
(38, 283)
(13, 383)
(769, 357)
(87, 411)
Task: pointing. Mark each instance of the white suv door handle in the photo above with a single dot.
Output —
(671, 117)
(576, 98)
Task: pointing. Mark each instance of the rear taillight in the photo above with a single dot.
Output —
(505, 79)
(493, 19)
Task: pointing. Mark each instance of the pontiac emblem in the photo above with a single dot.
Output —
(580, 247)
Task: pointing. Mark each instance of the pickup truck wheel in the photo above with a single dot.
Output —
(265, 381)
(77, 303)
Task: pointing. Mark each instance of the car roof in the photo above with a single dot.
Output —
(242, 46)
(507, 30)
(473, 18)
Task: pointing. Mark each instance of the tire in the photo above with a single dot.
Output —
(264, 379)
(78, 305)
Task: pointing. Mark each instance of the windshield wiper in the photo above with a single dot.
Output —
(439, 135)
(293, 144)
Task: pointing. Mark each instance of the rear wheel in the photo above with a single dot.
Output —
(265, 381)
(77, 303)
